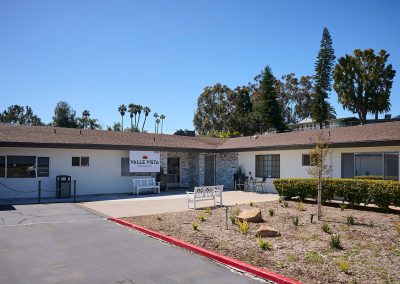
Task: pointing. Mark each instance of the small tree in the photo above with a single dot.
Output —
(319, 168)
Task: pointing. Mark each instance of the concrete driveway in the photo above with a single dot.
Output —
(66, 243)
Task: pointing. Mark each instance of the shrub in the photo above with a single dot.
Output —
(370, 177)
(343, 206)
(208, 210)
(233, 219)
(264, 244)
(285, 204)
(335, 242)
(236, 211)
(295, 220)
(271, 212)
(344, 265)
(280, 199)
(398, 228)
(300, 206)
(350, 220)
(326, 228)
(195, 226)
(202, 217)
(355, 191)
(243, 226)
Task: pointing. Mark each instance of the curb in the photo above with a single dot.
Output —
(262, 273)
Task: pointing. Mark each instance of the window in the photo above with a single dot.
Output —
(43, 166)
(76, 161)
(84, 161)
(2, 166)
(125, 169)
(268, 166)
(347, 165)
(21, 166)
(368, 164)
(80, 161)
(391, 166)
(305, 160)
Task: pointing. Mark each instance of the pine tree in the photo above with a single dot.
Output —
(320, 107)
(270, 108)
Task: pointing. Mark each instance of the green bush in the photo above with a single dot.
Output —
(370, 177)
(355, 191)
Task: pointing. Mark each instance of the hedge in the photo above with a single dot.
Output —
(382, 193)
(370, 177)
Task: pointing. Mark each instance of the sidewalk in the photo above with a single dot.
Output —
(169, 203)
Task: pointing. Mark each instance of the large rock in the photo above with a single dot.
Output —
(267, 231)
(252, 215)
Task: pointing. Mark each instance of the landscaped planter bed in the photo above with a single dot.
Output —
(371, 247)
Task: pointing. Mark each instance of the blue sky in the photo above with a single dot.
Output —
(99, 54)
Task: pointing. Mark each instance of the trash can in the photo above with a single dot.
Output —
(63, 186)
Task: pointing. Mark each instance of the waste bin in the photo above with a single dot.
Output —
(63, 186)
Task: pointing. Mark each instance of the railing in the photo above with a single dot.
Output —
(39, 190)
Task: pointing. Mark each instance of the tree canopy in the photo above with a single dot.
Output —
(363, 82)
(320, 107)
(64, 115)
(20, 115)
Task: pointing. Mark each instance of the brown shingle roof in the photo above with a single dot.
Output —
(362, 135)
(43, 136)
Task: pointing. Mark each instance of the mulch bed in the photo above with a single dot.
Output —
(371, 246)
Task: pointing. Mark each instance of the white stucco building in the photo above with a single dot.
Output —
(98, 160)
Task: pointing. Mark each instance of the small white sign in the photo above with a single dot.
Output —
(144, 161)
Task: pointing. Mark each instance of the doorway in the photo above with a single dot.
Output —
(209, 170)
(173, 172)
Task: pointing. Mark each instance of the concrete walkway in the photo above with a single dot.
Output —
(66, 243)
(165, 204)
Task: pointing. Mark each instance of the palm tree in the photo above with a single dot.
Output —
(155, 121)
(131, 110)
(93, 123)
(162, 117)
(146, 111)
(85, 116)
(122, 110)
(139, 111)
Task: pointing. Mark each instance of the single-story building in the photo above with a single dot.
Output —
(100, 160)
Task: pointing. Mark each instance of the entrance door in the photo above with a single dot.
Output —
(173, 172)
(209, 170)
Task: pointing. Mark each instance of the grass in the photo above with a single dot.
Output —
(285, 204)
(207, 210)
(264, 244)
(326, 228)
(344, 265)
(314, 257)
(343, 206)
(236, 211)
(398, 228)
(233, 219)
(295, 220)
(300, 206)
(243, 226)
(202, 217)
(195, 226)
(350, 220)
(335, 242)
(271, 212)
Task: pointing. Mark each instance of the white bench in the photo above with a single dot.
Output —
(205, 193)
(145, 184)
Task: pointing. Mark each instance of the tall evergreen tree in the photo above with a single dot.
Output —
(269, 107)
(320, 107)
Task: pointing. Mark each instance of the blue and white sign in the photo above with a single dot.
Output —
(144, 161)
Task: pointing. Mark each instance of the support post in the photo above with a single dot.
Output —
(226, 217)
(39, 191)
(74, 190)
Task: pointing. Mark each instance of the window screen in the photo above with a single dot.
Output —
(21, 166)
(43, 166)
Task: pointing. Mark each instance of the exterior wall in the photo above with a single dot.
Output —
(103, 176)
(290, 161)
(226, 165)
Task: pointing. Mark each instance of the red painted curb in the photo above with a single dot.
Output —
(262, 273)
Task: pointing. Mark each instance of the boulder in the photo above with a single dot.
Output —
(267, 231)
(252, 215)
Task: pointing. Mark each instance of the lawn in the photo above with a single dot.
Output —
(370, 250)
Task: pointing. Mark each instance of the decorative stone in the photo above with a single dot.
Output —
(252, 215)
(267, 231)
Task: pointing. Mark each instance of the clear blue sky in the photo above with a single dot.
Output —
(99, 54)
